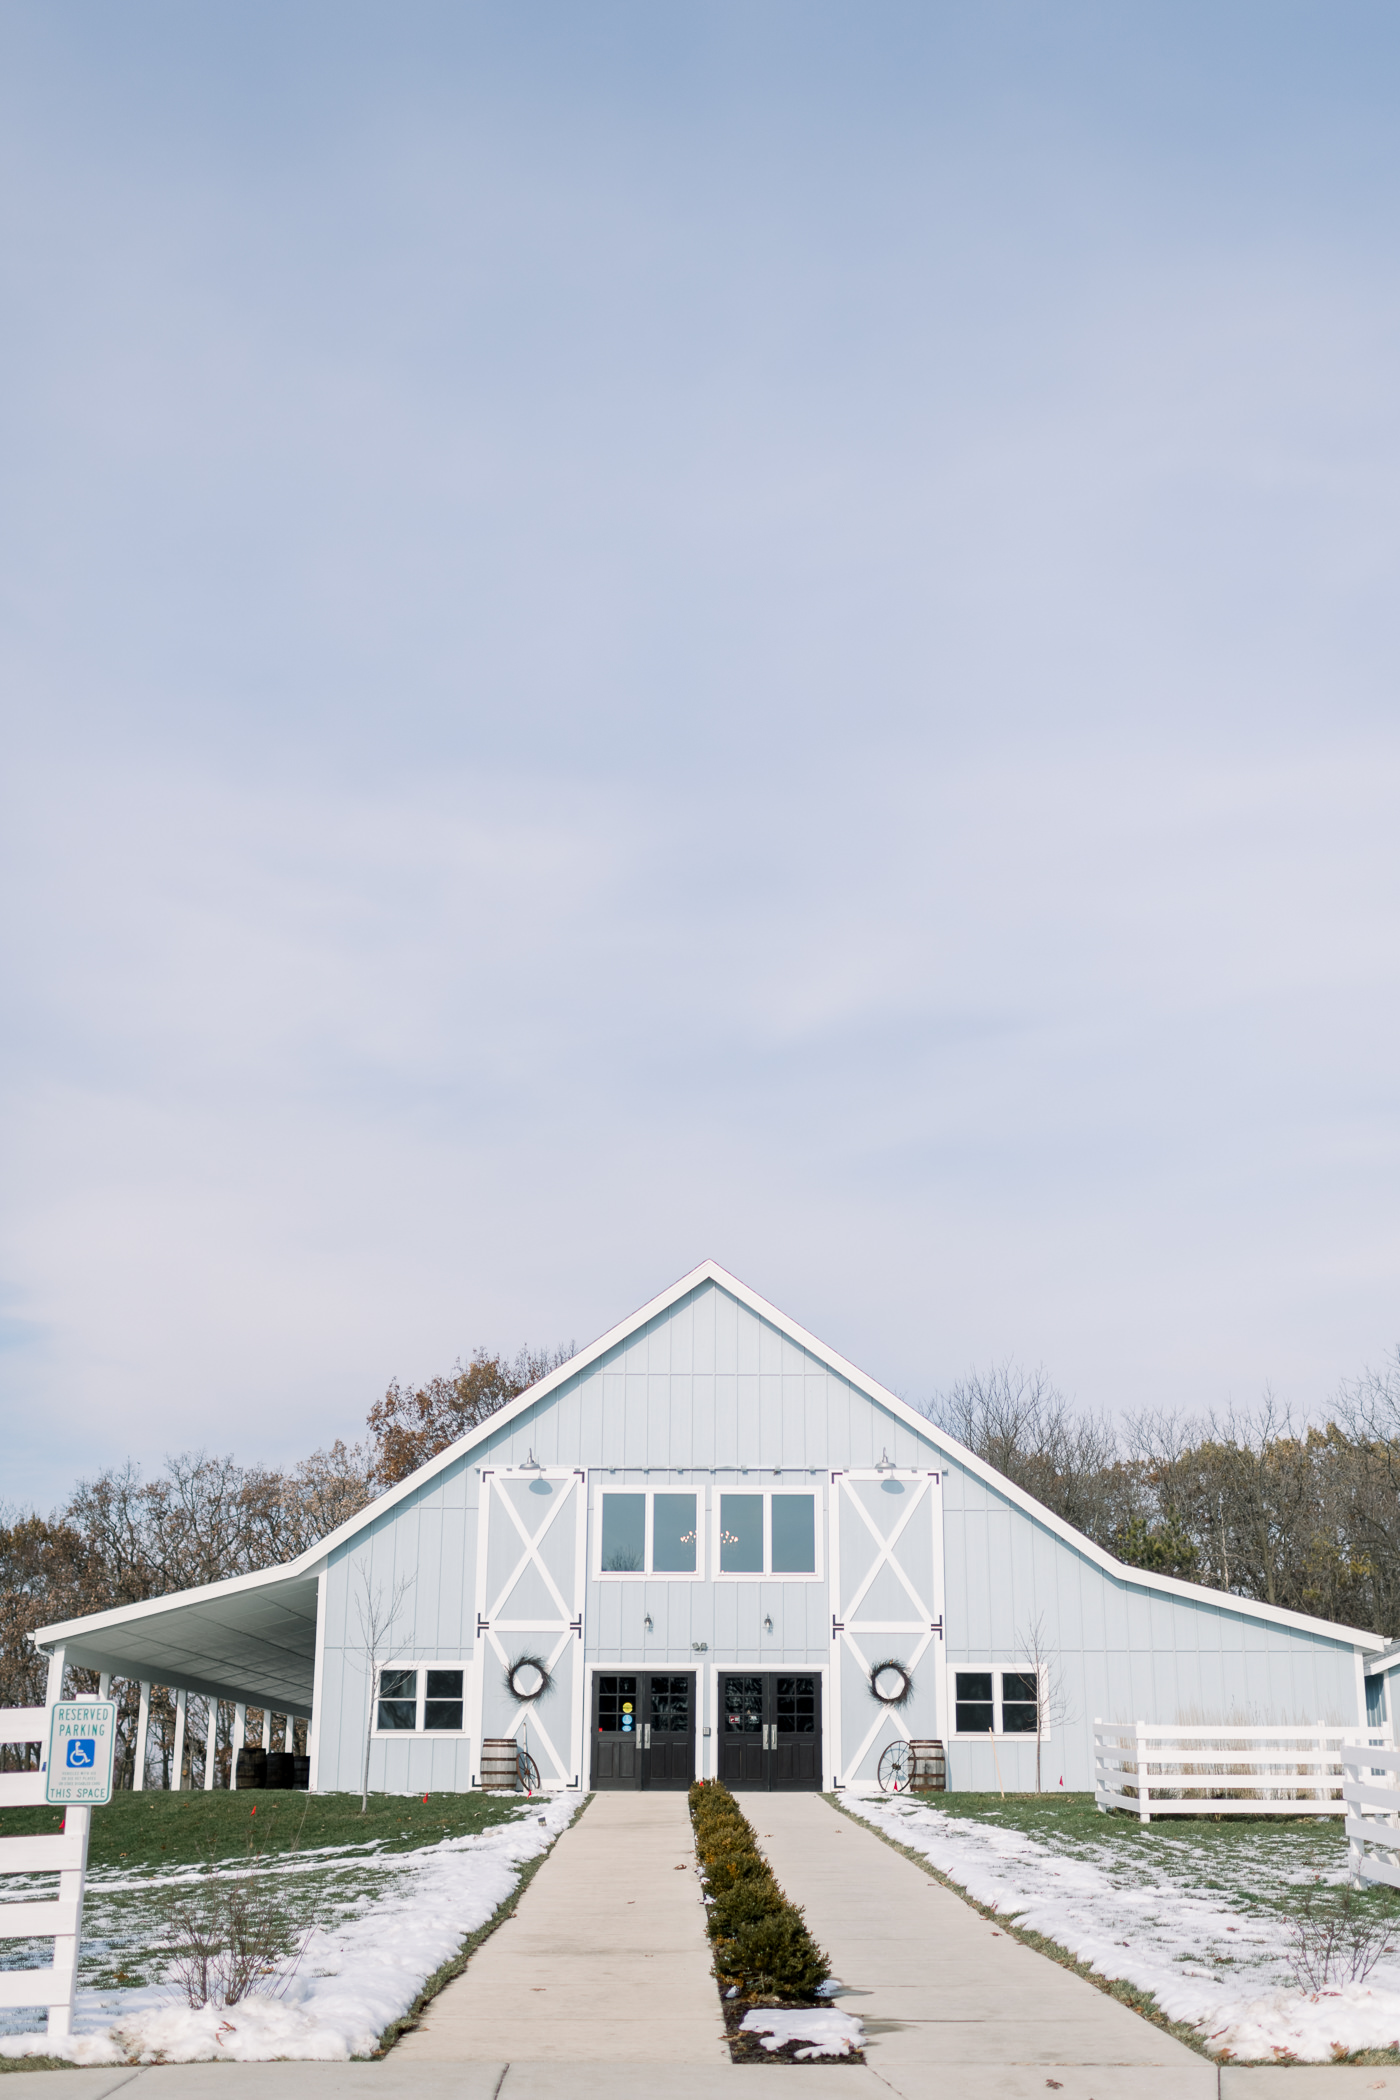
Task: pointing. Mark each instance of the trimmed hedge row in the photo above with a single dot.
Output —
(761, 1941)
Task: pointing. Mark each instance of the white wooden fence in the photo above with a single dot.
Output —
(64, 1855)
(1371, 1791)
(1164, 1769)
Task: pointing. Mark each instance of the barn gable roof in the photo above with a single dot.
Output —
(315, 1558)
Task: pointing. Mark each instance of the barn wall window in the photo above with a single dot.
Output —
(994, 1702)
(767, 1532)
(425, 1698)
(649, 1531)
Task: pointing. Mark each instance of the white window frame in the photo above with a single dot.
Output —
(418, 1733)
(997, 1672)
(647, 1573)
(768, 1573)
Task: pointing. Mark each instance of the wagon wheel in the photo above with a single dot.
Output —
(895, 1769)
(527, 1772)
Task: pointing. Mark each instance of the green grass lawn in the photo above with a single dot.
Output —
(140, 1832)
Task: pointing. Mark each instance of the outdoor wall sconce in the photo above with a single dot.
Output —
(647, 1623)
(767, 1624)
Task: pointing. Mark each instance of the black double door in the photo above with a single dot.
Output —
(770, 1731)
(644, 1731)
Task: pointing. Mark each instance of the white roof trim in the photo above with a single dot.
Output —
(711, 1272)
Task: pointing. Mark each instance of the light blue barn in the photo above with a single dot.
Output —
(709, 1546)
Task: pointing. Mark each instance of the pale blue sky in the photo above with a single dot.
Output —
(634, 633)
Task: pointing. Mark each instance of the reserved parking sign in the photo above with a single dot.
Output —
(82, 1743)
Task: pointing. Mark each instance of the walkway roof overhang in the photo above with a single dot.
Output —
(252, 1638)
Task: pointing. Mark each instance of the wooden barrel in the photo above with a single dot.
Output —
(252, 1768)
(928, 1771)
(279, 1768)
(499, 1764)
(301, 1773)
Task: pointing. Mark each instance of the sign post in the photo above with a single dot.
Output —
(77, 1778)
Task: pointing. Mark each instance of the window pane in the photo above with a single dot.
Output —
(615, 1694)
(1375, 1702)
(442, 1713)
(398, 1699)
(444, 1684)
(673, 1534)
(1018, 1684)
(624, 1532)
(794, 1535)
(1017, 1719)
(743, 1705)
(670, 1705)
(741, 1534)
(796, 1705)
(973, 1714)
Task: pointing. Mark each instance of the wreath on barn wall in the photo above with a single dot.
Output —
(891, 1683)
(528, 1678)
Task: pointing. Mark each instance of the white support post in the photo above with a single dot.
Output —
(1144, 1790)
(143, 1740)
(177, 1763)
(77, 1825)
(55, 1684)
(235, 1741)
(104, 1685)
(211, 1743)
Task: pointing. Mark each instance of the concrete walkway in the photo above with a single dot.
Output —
(606, 1960)
(600, 1988)
(950, 2004)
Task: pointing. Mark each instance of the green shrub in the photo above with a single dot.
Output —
(743, 1904)
(761, 1940)
(773, 1957)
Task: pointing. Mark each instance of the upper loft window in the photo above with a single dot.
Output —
(768, 1533)
(426, 1699)
(651, 1531)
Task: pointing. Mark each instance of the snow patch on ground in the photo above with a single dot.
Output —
(352, 1979)
(1219, 1968)
(828, 2032)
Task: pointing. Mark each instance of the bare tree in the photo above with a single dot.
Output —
(411, 1424)
(376, 1625)
(1019, 1422)
(1052, 1706)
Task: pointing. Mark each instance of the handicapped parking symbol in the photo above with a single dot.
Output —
(82, 1754)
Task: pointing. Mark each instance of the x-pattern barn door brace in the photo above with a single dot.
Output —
(491, 1625)
(845, 1627)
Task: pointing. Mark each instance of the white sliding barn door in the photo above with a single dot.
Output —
(887, 1596)
(529, 1591)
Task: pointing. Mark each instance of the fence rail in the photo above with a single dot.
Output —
(1157, 1768)
(1371, 1791)
(64, 1854)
